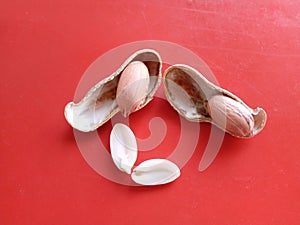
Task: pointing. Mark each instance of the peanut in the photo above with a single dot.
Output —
(231, 116)
(132, 88)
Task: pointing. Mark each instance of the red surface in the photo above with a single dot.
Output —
(253, 49)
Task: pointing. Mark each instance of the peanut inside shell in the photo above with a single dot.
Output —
(198, 100)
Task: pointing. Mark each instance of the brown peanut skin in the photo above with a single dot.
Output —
(231, 116)
(132, 87)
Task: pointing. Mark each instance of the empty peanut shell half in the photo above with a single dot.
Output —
(155, 172)
(123, 147)
(100, 104)
(199, 100)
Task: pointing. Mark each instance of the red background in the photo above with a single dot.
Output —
(253, 48)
